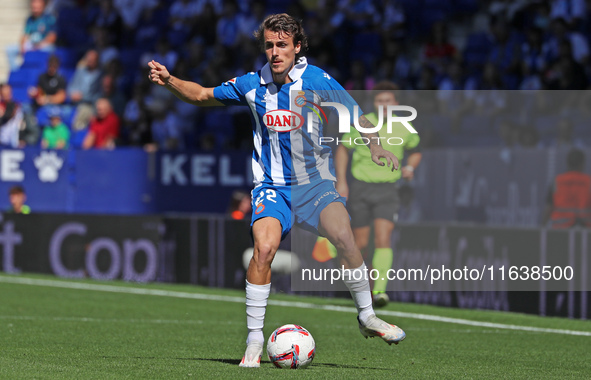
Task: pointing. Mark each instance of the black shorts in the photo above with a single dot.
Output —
(370, 201)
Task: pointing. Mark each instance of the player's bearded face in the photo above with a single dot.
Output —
(281, 53)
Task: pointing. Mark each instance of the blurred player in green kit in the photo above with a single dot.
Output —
(372, 194)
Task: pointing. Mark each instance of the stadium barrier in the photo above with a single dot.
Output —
(124, 181)
(488, 186)
(209, 251)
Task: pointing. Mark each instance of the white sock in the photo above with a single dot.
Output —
(256, 303)
(360, 291)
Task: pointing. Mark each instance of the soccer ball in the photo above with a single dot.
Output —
(291, 346)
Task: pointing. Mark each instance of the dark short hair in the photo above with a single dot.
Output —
(53, 59)
(16, 189)
(287, 24)
(386, 86)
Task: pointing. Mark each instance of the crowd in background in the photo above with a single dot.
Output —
(89, 58)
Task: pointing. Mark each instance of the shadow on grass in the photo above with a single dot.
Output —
(320, 365)
(235, 362)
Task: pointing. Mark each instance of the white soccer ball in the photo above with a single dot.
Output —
(291, 346)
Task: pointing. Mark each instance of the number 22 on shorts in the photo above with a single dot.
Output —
(271, 194)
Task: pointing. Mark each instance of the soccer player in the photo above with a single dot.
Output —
(291, 170)
(372, 196)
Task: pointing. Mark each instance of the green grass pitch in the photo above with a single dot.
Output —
(58, 329)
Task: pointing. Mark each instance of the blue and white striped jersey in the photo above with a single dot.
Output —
(286, 150)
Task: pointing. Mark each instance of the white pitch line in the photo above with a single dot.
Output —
(300, 305)
(112, 320)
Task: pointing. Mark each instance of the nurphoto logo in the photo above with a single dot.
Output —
(287, 120)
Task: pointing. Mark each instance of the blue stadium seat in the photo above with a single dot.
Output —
(20, 95)
(68, 57)
(24, 77)
(18, 78)
(477, 49)
(35, 60)
(77, 138)
(72, 27)
(42, 116)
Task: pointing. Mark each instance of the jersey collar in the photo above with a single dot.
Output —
(296, 71)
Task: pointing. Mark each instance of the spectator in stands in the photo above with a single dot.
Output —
(530, 78)
(507, 9)
(106, 50)
(560, 32)
(360, 79)
(251, 20)
(136, 118)
(491, 102)
(566, 73)
(569, 200)
(240, 205)
(206, 26)
(427, 79)
(439, 52)
(150, 28)
(394, 65)
(39, 34)
(104, 127)
(195, 59)
(56, 135)
(53, 6)
(131, 10)
(167, 134)
(183, 14)
(572, 11)
(393, 19)
(359, 14)
(51, 86)
(532, 52)
(115, 96)
(11, 117)
(109, 20)
(17, 128)
(163, 52)
(84, 88)
(454, 78)
(228, 26)
(17, 198)
(506, 53)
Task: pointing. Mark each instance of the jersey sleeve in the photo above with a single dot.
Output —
(233, 92)
(412, 142)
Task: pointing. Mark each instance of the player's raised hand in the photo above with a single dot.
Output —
(158, 73)
(378, 152)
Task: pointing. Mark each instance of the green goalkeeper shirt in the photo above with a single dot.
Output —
(362, 167)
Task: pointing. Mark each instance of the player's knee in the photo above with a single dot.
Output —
(343, 240)
(264, 253)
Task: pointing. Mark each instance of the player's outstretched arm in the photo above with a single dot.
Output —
(376, 149)
(187, 91)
